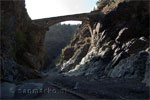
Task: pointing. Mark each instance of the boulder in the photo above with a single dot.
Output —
(131, 67)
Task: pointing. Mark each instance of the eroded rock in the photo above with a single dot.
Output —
(131, 67)
(117, 44)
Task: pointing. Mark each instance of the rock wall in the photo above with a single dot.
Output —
(56, 39)
(115, 46)
(22, 49)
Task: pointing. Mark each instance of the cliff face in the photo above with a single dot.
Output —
(22, 50)
(115, 46)
(56, 39)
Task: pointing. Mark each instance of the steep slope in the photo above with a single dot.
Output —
(22, 49)
(109, 54)
(114, 46)
(56, 39)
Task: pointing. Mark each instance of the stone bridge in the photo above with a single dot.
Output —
(46, 22)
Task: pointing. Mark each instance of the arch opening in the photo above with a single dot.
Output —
(58, 34)
(72, 22)
(56, 38)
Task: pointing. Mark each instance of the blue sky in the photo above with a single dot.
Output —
(49, 8)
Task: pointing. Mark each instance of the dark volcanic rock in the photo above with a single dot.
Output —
(118, 44)
(135, 45)
(76, 58)
(69, 52)
(19, 36)
(56, 38)
(131, 67)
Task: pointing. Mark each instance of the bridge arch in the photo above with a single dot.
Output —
(46, 22)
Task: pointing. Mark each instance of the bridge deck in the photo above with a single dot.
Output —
(46, 22)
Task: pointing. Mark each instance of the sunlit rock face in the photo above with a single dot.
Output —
(56, 38)
(22, 42)
(117, 45)
(77, 49)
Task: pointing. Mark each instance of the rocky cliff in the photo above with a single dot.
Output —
(22, 50)
(109, 54)
(56, 38)
(116, 45)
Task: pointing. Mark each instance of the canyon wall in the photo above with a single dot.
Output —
(116, 45)
(22, 43)
(56, 38)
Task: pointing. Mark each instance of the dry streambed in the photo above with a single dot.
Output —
(56, 86)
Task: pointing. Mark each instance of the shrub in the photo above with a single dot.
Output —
(107, 4)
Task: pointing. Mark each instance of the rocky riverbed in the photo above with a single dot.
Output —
(56, 86)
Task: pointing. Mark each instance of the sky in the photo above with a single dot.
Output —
(38, 9)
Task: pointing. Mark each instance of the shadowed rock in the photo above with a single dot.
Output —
(46, 22)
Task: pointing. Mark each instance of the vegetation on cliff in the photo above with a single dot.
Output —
(106, 6)
(118, 43)
(56, 38)
(108, 53)
(21, 41)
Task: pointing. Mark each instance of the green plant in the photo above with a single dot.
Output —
(30, 43)
(63, 50)
(23, 43)
(110, 3)
(58, 59)
(19, 46)
(20, 37)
